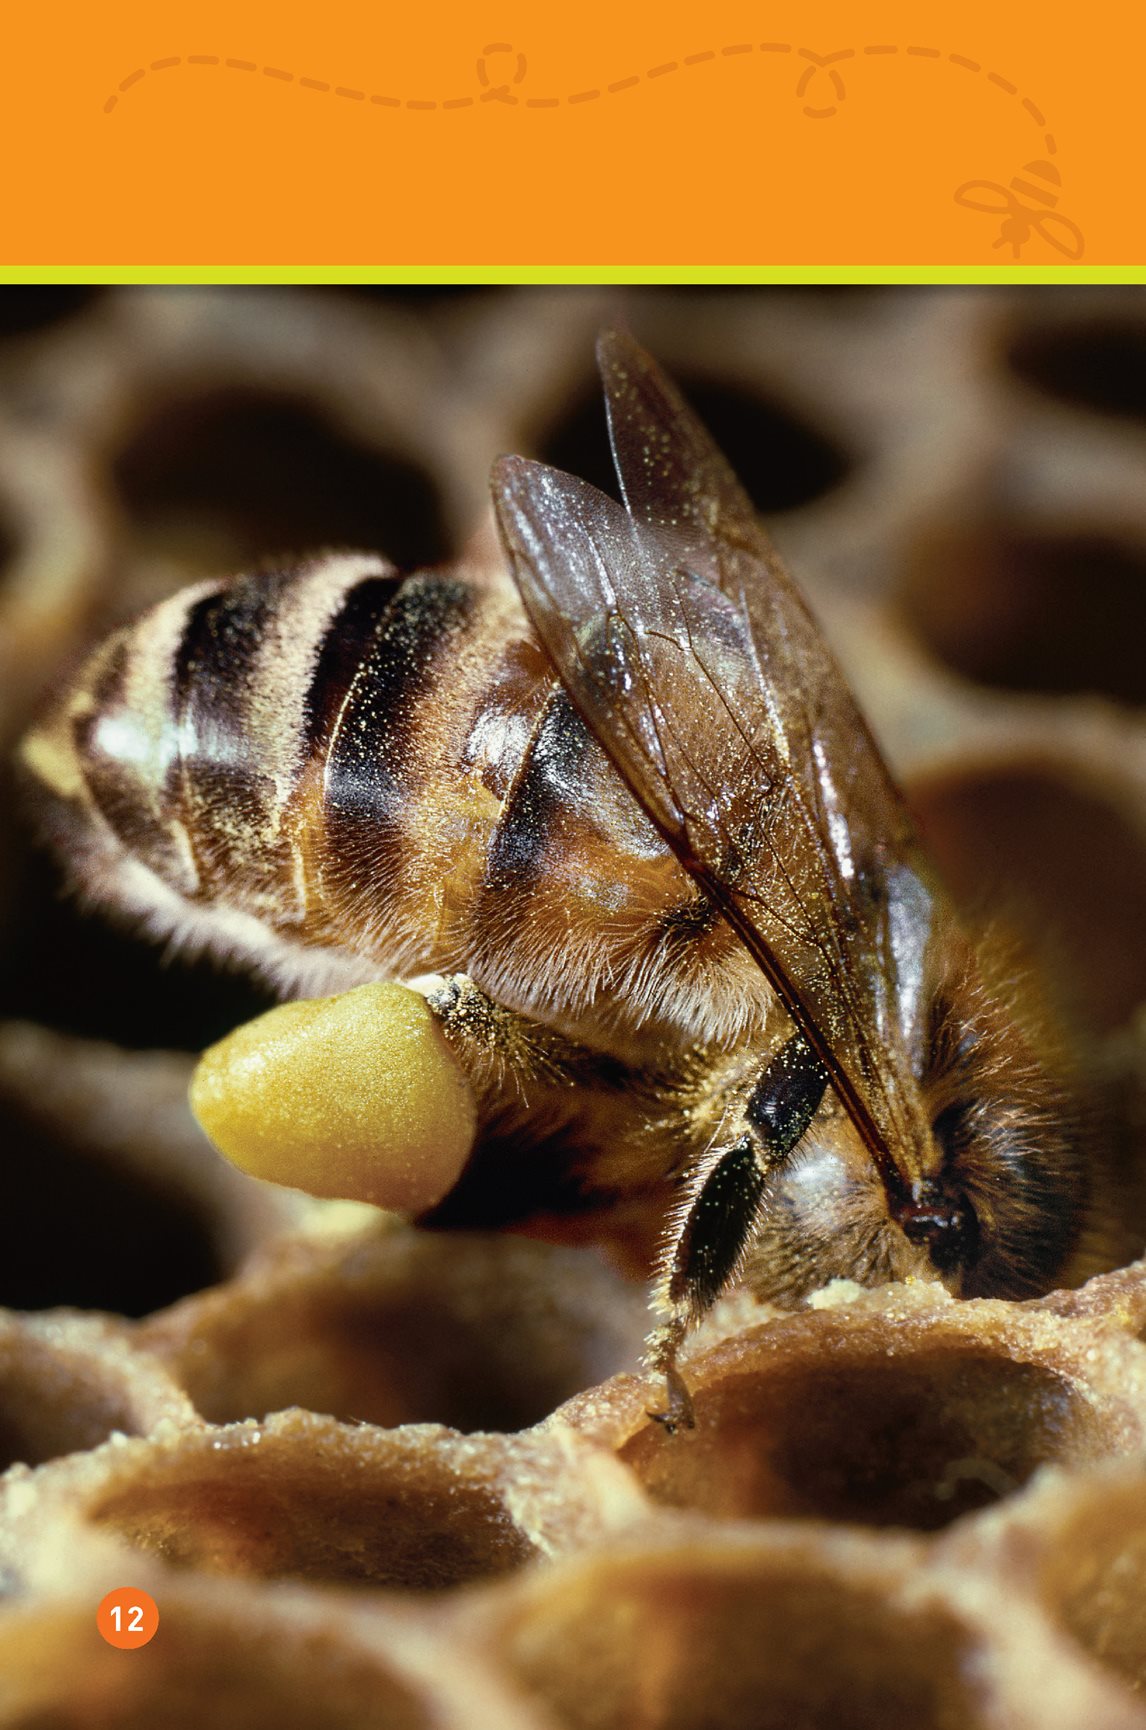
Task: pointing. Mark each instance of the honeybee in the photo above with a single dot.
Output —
(625, 812)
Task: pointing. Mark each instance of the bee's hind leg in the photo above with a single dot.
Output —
(727, 1195)
(500, 1047)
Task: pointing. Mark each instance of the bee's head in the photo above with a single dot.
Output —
(993, 1203)
(1002, 1213)
(1001, 1201)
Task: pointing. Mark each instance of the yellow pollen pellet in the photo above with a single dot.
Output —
(356, 1096)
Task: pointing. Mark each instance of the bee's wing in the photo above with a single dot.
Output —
(698, 666)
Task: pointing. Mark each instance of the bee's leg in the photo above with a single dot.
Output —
(495, 1044)
(553, 1120)
(716, 1225)
(727, 1195)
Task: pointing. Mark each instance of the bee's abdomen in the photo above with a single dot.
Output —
(218, 761)
(337, 772)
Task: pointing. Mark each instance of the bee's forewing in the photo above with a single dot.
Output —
(673, 477)
(697, 664)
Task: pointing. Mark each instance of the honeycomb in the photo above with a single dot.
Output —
(379, 1477)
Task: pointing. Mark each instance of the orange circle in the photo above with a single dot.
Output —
(128, 1618)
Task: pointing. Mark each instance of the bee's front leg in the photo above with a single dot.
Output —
(726, 1196)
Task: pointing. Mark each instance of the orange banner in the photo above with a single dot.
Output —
(495, 133)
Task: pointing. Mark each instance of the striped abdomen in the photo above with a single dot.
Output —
(339, 773)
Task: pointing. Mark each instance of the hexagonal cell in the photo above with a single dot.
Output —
(868, 1423)
(67, 1382)
(107, 1166)
(217, 481)
(37, 1425)
(1097, 360)
(1031, 610)
(692, 1636)
(24, 310)
(118, 1241)
(406, 1327)
(1062, 862)
(1092, 1573)
(241, 1672)
(307, 1499)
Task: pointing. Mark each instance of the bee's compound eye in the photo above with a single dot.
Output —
(944, 1223)
(356, 1096)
